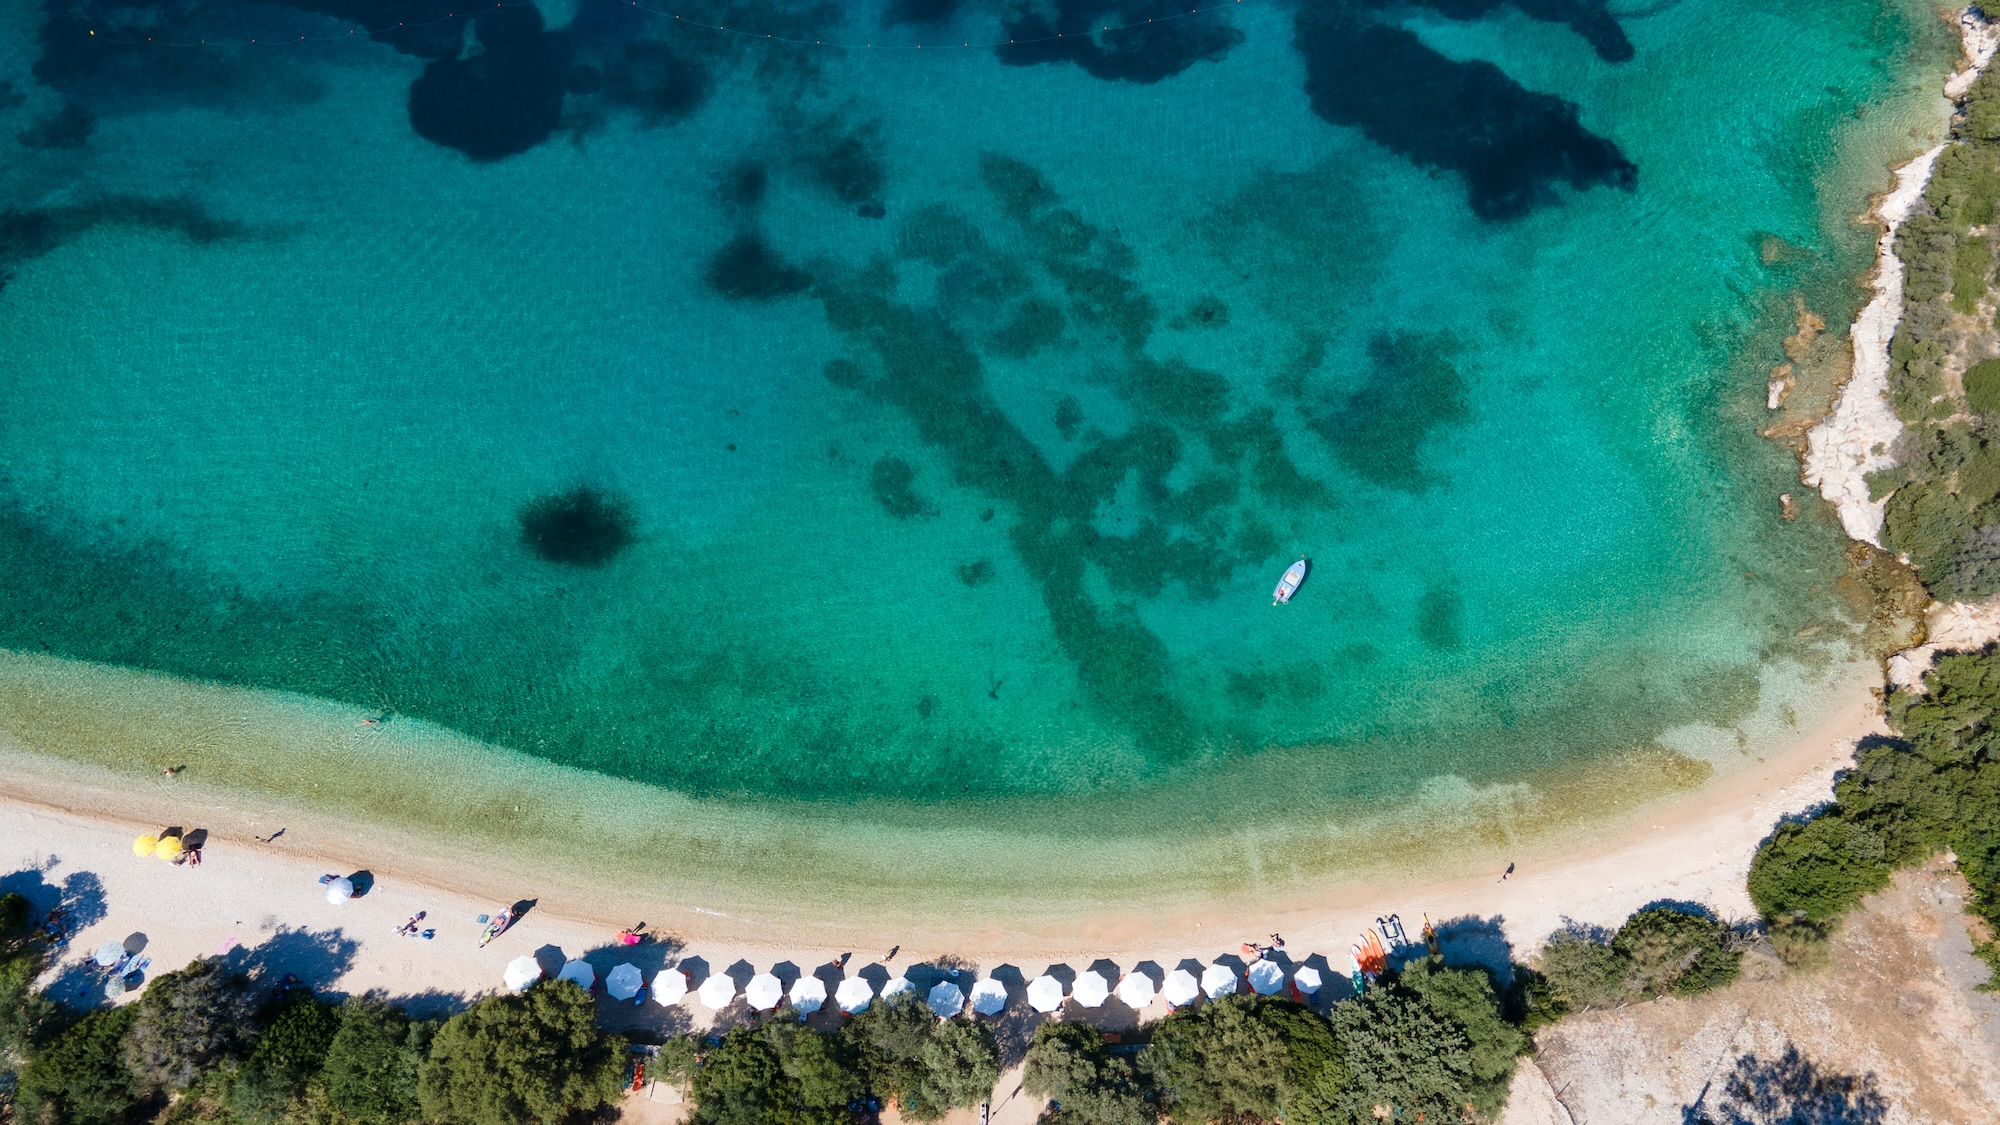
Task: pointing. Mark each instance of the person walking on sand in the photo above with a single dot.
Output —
(1507, 874)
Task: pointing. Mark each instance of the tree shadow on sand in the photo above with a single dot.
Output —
(1789, 1090)
(79, 896)
(1466, 941)
(318, 958)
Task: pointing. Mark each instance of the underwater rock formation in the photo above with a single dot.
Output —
(1135, 49)
(656, 82)
(504, 100)
(890, 481)
(747, 269)
(68, 127)
(582, 527)
(1510, 144)
(1378, 430)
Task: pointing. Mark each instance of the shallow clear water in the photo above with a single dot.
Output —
(964, 413)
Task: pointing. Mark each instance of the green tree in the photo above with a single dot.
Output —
(822, 1067)
(1402, 1058)
(536, 1056)
(1466, 997)
(1068, 1064)
(81, 1077)
(741, 1082)
(677, 1057)
(372, 1062)
(961, 1062)
(1243, 1055)
(888, 1040)
(288, 1053)
(187, 1021)
(25, 1014)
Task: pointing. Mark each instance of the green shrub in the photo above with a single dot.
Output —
(533, 1056)
(1818, 869)
(1899, 804)
(1675, 951)
(187, 1021)
(14, 915)
(676, 1060)
(81, 1078)
(1582, 973)
(25, 1015)
(372, 1062)
(1972, 265)
(1982, 386)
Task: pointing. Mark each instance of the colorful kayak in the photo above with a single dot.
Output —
(1289, 584)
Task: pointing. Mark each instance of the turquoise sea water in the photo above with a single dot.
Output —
(929, 426)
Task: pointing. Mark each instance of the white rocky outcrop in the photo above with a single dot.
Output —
(1951, 627)
(1857, 437)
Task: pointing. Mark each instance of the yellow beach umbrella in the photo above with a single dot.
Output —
(144, 845)
(169, 848)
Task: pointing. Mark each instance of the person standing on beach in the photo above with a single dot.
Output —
(1505, 875)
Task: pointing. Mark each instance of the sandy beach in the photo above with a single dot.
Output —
(253, 896)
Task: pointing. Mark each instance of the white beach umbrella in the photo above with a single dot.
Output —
(624, 982)
(669, 985)
(108, 954)
(1266, 977)
(1218, 980)
(580, 972)
(946, 999)
(808, 995)
(1045, 993)
(339, 889)
(1180, 987)
(854, 994)
(521, 972)
(989, 997)
(1306, 979)
(897, 987)
(1090, 989)
(764, 992)
(1136, 990)
(716, 992)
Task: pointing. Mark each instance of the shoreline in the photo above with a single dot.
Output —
(1695, 846)
(1858, 435)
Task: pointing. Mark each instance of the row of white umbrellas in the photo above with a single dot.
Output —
(989, 996)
